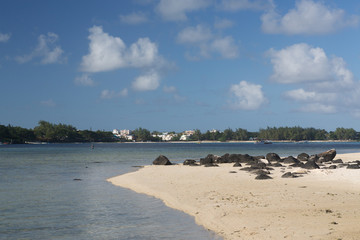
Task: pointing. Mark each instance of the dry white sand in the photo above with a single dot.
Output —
(324, 204)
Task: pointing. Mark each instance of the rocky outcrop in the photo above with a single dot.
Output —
(272, 157)
(161, 160)
(190, 162)
(310, 165)
(328, 155)
(303, 157)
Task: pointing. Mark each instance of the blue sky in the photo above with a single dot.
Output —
(177, 65)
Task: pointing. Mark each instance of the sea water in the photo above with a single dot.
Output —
(59, 191)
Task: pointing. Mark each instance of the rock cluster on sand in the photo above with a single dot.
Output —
(262, 165)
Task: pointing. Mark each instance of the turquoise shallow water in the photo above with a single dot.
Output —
(40, 200)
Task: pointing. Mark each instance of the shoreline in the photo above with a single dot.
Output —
(323, 204)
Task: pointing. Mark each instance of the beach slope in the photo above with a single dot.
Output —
(323, 204)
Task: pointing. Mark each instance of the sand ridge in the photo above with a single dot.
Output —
(324, 204)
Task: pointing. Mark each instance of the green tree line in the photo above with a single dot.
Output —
(49, 132)
(63, 133)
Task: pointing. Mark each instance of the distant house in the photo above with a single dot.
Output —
(165, 136)
(125, 133)
(186, 135)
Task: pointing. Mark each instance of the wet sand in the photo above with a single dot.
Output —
(323, 204)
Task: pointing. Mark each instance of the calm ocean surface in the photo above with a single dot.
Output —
(40, 200)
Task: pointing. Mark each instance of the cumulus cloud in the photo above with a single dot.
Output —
(327, 84)
(246, 96)
(223, 23)
(197, 34)
(302, 95)
(201, 37)
(225, 46)
(308, 17)
(235, 5)
(134, 18)
(109, 94)
(107, 53)
(175, 10)
(4, 37)
(46, 50)
(84, 80)
(300, 63)
(147, 82)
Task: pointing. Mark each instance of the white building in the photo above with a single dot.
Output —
(125, 133)
(165, 136)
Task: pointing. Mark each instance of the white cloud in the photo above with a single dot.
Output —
(46, 50)
(235, 5)
(308, 17)
(310, 96)
(318, 108)
(202, 38)
(226, 47)
(84, 80)
(198, 34)
(148, 82)
(328, 86)
(300, 63)
(108, 53)
(4, 37)
(175, 10)
(223, 23)
(109, 94)
(134, 18)
(246, 96)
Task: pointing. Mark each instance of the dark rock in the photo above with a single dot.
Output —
(320, 160)
(298, 164)
(310, 165)
(263, 177)
(353, 166)
(332, 167)
(77, 179)
(259, 157)
(289, 175)
(246, 158)
(210, 165)
(232, 172)
(277, 165)
(237, 164)
(337, 161)
(303, 157)
(290, 160)
(313, 158)
(328, 155)
(272, 157)
(259, 165)
(189, 162)
(162, 160)
(225, 158)
(207, 160)
(260, 171)
(234, 158)
(247, 169)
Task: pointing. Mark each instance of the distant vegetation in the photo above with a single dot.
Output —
(62, 133)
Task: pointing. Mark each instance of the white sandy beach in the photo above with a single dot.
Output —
(324, 204)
